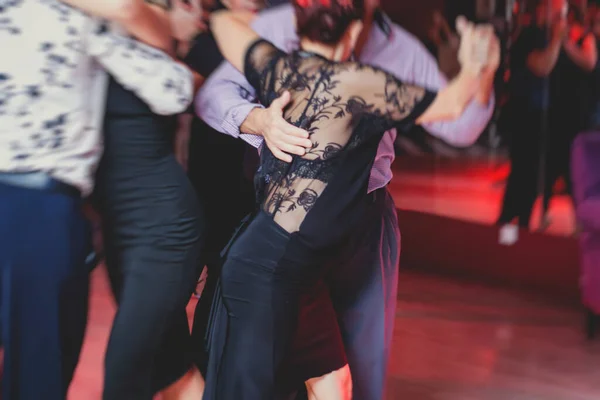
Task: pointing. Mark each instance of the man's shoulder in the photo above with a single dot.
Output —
(276, 24)
(281, 11)
(399, 39)
(403, 42)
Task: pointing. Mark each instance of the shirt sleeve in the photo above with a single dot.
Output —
(226, 98)
(425, 72)
(165, 85)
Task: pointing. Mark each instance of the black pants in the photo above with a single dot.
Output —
(527, 146)
(44, 281)
(522, 185)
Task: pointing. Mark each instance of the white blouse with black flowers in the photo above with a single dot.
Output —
(53, 79)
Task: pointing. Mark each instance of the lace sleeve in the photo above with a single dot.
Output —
(389, 99)
(259, 67)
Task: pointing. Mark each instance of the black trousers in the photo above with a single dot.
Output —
(44, 281)
(528, 144)
(525, 151)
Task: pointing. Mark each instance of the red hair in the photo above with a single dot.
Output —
(326, 21)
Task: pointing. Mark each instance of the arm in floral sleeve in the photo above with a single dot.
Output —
(165, 85)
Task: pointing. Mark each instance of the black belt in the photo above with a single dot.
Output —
(38, 181)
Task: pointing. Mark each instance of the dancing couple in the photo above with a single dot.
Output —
(259, 344)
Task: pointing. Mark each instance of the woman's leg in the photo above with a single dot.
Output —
(156, 286)
(336, 385)
(189, 387)
(260, 323)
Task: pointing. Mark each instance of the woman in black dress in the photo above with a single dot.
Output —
(151, 222)
(306, 208)
(152, 238)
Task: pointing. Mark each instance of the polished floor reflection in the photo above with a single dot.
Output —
(468, 189)
(453, 341)
(456, 341)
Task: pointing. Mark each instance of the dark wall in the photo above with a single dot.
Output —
(413, 15)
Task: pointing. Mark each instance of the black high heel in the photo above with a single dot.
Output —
(592, 323)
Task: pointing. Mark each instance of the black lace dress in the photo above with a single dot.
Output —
(305, 209)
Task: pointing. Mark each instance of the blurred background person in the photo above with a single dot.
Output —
(534, 67)
(594, 81)
(572, 110)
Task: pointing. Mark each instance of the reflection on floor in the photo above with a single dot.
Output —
(465, 188)
(456, 341)
(453, 341)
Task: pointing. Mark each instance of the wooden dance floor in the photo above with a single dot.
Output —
(452, 341)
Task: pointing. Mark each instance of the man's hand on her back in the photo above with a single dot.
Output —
(282, 138)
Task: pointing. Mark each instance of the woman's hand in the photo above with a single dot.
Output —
(475, 46)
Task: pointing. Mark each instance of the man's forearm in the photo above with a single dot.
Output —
(252, 125)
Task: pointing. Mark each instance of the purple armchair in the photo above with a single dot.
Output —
(585, 170)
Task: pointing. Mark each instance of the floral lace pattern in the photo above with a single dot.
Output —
(341, 105)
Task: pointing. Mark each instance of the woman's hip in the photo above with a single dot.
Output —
(265, 256)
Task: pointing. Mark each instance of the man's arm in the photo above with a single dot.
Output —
(227, 102)
(165, 85)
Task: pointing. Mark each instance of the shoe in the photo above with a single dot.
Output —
(508, 235)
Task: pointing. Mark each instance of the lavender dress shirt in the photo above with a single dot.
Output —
(227, 98)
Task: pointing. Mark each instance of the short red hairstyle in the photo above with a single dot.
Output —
(326, 21)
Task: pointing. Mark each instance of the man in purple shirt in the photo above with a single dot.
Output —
(363, 282)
